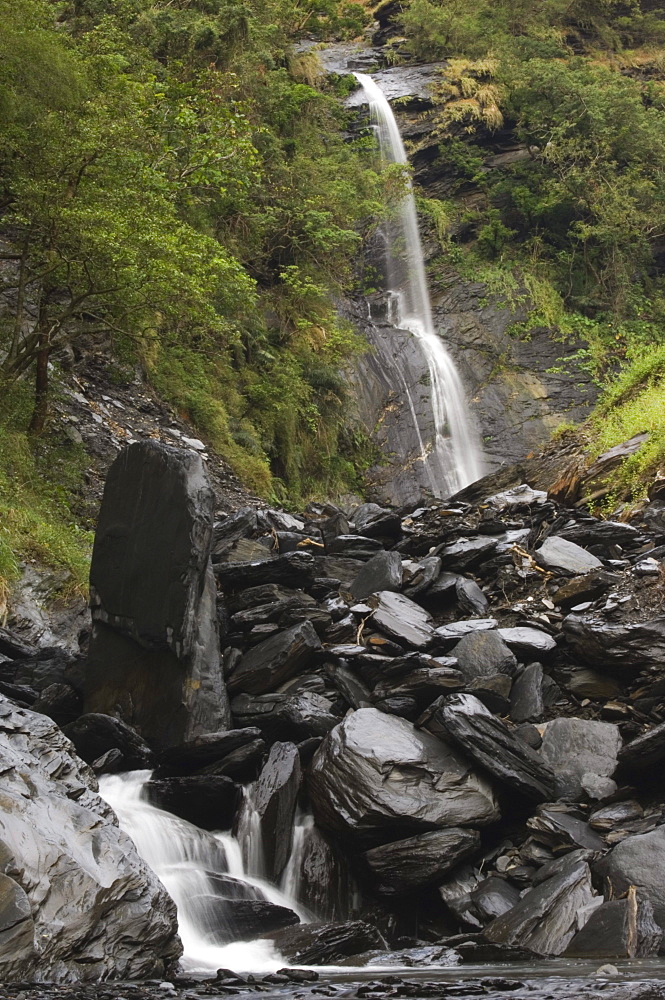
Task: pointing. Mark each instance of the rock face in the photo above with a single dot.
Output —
(76, 899)
(375, 771)
(154, 651)
(622, 648)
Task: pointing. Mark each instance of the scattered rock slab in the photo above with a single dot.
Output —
(528, 643)
(559, 554)
(326, 944)
(381, 573)
(275, 660)
(402, 619)
(406, 865)
(466, 721)
(482, 654)
(620, 648)
(546, 918)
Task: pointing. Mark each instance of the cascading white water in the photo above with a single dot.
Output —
(454, 460)
(198, 869)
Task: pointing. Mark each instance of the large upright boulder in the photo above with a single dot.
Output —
(154, 652)
(375, 772)
(76, 901)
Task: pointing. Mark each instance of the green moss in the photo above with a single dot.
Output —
(36, 490)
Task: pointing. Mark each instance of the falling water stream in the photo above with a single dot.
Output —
(454, 459)
(200, 870)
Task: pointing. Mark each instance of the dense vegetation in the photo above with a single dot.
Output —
(573, 230)
(177, 186)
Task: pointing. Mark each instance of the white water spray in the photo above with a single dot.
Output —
(454, 460)
(199, 871)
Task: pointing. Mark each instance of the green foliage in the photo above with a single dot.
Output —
(175, 177)
(36, 486)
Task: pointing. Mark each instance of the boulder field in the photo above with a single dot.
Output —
(468, 696)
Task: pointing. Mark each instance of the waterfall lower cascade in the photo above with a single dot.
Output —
(201, 871)
(454, 459)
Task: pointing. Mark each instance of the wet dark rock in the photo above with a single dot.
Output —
(471, 598)
(294, 541)
(326, 885)
(590, 684)
(608, 817)
(247, 919)
(60, 702)
(326, 944)
(269, 593)
(444, 586)
(492, 897)
(406, 865)
(12, 646)
(466, 553)
(528, 643)
(376, 771)
(93, 734)
(424, 684)
(154, 649)
(473, 949)
(577, 747)
(226, 533)
(275, 660)
(242, 764)
(111, 762)
(402, 619)
(448, 635)
(638, 861)
(354, 547)
(426, 572)
(595, 531)
(493, 691)
(621, 928)
(207, 801)
(530, 734)
(555, 827)
(402, 705)
(620, 648)
(588, 587)
(294, 569)
(377, 522)
(644, 751)
(545, 919)
(331, 527)
(290, 717)
(350, 687)
(381, 573)
(559, 554)
(482, 654)
(208, 750)
(466, 721)
(527, 702)
(274, 798)
(60, 845)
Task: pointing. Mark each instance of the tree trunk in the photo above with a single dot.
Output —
(40, 412)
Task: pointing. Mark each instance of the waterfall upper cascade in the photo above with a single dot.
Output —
(454, 458)
(200, 870)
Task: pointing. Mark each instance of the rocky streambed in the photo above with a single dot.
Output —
(467, 698)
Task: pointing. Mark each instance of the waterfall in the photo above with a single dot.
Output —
(202, 871)
(454, 459)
